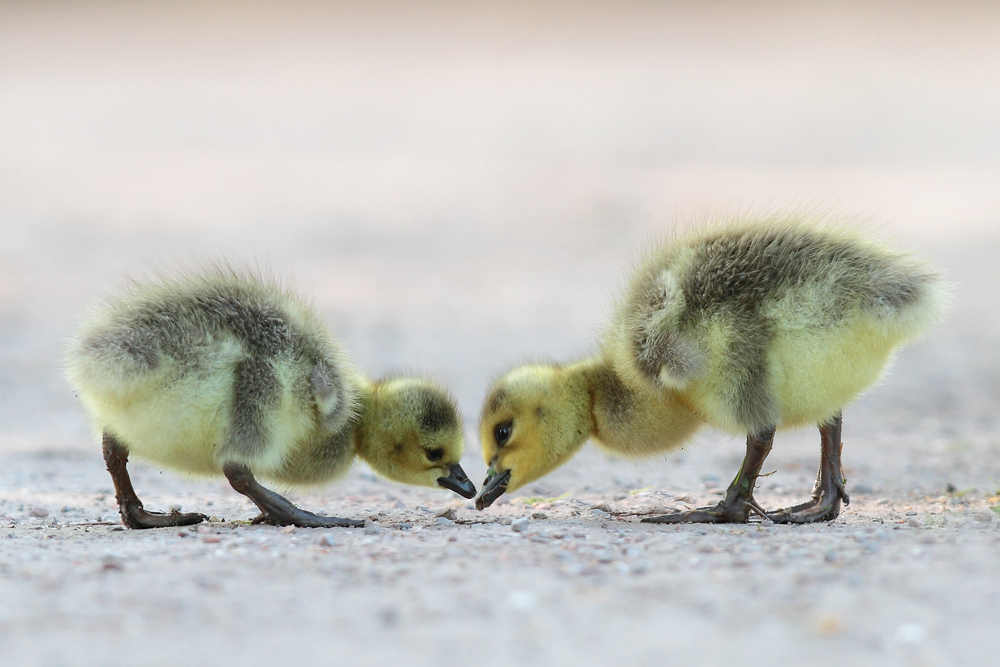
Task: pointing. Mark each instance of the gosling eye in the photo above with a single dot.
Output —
(435, 454)
(502, 432)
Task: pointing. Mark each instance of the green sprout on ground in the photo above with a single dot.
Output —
(532, 500)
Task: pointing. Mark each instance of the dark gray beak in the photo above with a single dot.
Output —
(494, 487)
(458, 482)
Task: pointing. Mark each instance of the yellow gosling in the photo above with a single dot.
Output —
(227, 372)
(748, 326)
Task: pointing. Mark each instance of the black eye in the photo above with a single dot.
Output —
(435, 454)
(502, 433)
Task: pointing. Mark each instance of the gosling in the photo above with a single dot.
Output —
(226, 371)
(748, 326)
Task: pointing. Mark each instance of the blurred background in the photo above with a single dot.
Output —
(461, 186)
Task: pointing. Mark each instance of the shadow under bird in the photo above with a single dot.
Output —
(224, 371)
(748, 326)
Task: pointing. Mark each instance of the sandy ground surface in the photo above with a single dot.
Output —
(461, 190)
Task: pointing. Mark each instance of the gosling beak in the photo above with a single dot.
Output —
(493, 487)
(458, 482)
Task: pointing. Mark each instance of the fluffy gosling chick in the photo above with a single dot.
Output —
(227, 372)
(748, 326)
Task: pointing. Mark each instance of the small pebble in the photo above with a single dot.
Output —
(112, 563)
(326, 541)
(286, 529)
(39, 512)
(872, 547)
(444, 521)
(447, 514)
(521, 600)
(914, 522)
(183, 533)
(984, 516)
(603, 507)
(372, 528)
(520, 525)
(911, 513)
(539, 515)
(910, 634)
(211, 539)
(601, 513)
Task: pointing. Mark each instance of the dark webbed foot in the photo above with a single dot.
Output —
(720, 513)
(738, 503)
(305, 519)
(829, 489)
(136, 517)
(277, 510)
(819, 509)
(824, 506)
(133, 514)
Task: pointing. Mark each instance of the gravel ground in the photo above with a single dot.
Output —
(461, 191)
(566, 580)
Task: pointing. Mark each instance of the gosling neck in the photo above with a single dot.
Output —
(580, 379)
(368, 408)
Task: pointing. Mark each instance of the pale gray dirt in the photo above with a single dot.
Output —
(460, 190)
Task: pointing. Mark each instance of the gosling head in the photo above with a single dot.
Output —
(534, 419)
(411, 432)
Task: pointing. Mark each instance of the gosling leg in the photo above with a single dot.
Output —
(133, 515)
(829, 488)
(275, 509)
(739, 502)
